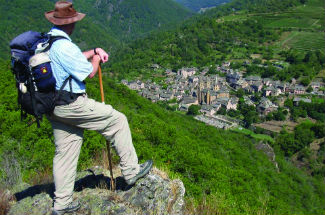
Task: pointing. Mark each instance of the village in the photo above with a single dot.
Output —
(188, 86)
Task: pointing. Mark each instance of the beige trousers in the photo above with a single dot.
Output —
(68, 123)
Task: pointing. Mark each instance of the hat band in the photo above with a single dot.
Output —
(59, 16)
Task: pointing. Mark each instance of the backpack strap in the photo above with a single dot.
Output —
(69, 79)
(33, 99)
(52, 39)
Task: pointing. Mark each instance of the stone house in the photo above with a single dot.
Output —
(216, 107)
(257, 86)
(178, 96)
(253, 79)
(233, 103)
(267, 81)
(154, 87)
(186, 72)
(183, 107)
(241, 84)
(173, 88)
(226, 64)
(290, 89)
(170, 73)
(153, 98)
(233, 78)
(155, 66)
(169, 80)
(272, 91)
(282, 87)
(187, 102)
(224, 102)
(297, 100)
(248, 101)
(207, 110)
(133, 85)
(193, 79)
(223, 93)
(315, 85)
(266, 106)
(166, 96)
(299, 89)
(140, 84)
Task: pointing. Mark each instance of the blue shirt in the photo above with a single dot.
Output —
(67, 59)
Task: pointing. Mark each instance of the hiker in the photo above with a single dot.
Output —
(75, 112)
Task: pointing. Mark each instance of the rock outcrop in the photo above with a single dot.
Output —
(153, 194)
(268, 150)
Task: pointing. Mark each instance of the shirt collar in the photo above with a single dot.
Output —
(58, 32)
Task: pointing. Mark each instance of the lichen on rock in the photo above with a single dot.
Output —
(153, 194)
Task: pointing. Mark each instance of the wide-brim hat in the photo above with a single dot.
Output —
(64, 14)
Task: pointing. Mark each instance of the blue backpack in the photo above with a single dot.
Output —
(33, 73)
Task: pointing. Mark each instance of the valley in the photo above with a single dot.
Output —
(251, 70)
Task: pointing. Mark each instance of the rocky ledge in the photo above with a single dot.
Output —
(153, 194)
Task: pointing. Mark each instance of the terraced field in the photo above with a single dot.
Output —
(303, 27)
(305, 41)
(306, 17)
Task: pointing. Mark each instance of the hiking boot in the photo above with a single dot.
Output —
(73, 206)
(144, 170)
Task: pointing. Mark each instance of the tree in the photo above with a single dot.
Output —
(309, 89)
(193, 110)
(222, 111)
(303, 134)
(279, 116)
(233, 113)
(305, 81)
(250, 118)
(286, 142)
(240, 93)
(319, 130)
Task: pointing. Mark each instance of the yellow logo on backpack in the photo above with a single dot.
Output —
(44, 70)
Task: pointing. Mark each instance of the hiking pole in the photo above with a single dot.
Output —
(107, 142)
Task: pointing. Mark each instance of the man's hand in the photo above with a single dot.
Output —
(102, 54)
(95, 62)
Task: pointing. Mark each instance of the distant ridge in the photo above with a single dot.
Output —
(196, 5)
(130, 19)
(106, 24)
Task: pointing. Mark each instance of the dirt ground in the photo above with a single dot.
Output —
(276, 126)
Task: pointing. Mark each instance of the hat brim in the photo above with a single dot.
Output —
(63, 21)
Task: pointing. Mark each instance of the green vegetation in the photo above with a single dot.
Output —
(251, 134)
(219, 167)
(206, 41)
(197, 5)
(305, 41)
(106, 24)
(129, 19)
(304, 134)
(202, 43)
(212, 163)
(315, 109)
(17, 16)
(193, 110)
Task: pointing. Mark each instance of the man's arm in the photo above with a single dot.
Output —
(98, 55)
(89, 54)
(96, 51)
(95, 62)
